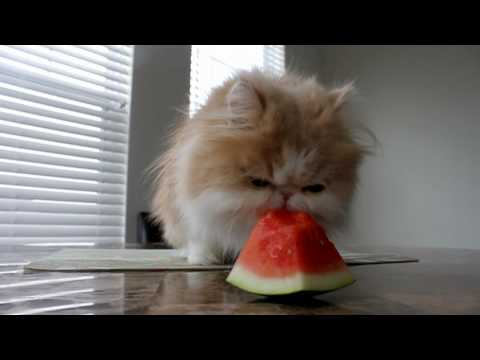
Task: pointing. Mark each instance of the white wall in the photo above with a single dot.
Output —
(160, 84)
(423, 103)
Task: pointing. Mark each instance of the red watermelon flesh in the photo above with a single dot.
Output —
(289, 252)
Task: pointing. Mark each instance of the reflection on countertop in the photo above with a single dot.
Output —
(445, 281)
(24, 292)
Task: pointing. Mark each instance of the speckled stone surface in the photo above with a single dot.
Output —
(443, 282)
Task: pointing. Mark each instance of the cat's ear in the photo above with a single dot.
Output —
(340, 96)
(244, 101)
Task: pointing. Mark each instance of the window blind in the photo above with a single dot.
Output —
(212, 64)
(64, 116)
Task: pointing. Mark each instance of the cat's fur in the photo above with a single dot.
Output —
(287, 130)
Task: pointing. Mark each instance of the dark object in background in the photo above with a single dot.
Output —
(149, 233)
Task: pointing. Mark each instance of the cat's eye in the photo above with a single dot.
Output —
(259, 183)
(317, 188)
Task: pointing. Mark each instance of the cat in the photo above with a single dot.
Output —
(260, 142)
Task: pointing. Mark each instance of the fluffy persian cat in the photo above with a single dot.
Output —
(260, 142)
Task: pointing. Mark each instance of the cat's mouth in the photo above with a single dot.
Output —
(285, 206)
(261, 212)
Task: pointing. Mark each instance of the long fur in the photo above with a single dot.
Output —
(288, 130)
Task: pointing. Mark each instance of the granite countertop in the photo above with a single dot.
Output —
(445, 281)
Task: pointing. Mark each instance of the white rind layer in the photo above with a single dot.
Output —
(246, 280)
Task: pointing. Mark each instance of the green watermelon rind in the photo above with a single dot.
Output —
(299, 282)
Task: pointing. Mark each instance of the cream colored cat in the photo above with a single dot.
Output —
(260, 142)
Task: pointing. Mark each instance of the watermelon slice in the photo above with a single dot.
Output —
(289, 252)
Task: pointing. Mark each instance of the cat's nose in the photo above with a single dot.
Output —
(286, 195)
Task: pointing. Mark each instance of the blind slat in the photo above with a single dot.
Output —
(67, 240)
(13, 192)
(71, 70)
(63, 126)
(18, 55)
(30, 83)
(11, 70)
(108, 54)
(58, 207)
(9, 104)
(58, 230)
(61, 105)
(92, 144)
(50, 182)
(49, 159)
(120, 49)
(42, 170)
(41, 218)
(58, 150)
(57, 57)
(86, 56)
(10, 109)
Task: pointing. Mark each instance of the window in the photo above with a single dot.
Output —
(64, 114)
(212, 64)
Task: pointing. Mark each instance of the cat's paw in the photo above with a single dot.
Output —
(201, 258)
(182, 252)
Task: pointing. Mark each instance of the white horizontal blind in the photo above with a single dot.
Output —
(213, 64)
(64, 114)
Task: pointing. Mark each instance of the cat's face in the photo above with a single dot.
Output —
(284, 145)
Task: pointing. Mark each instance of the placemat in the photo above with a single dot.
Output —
(140, 259)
